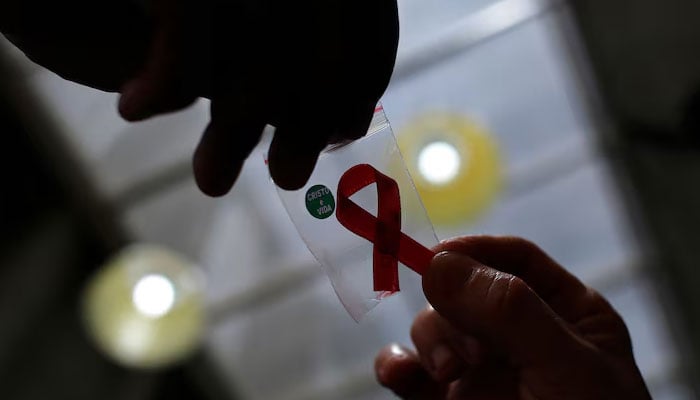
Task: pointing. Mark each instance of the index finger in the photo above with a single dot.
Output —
(562, 291)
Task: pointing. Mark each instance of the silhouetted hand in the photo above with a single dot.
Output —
(313, 69)
(510, 323)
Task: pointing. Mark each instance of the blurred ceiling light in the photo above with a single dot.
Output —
(439, 162)
(455, 165)
(145, 307)
(153, 295)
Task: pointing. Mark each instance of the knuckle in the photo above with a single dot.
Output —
(615, 319)
(521, 242)
(516, 294)
(506, 297)
(601, 304)
(525, 246)
(602, 320)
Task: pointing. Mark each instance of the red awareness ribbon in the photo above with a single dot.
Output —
(390, 244)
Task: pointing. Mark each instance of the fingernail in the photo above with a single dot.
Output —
(444, 362)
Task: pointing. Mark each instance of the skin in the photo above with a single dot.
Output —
(508, 322)
(314, 70)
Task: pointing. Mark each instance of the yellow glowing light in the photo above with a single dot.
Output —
(455, 165)
(145, 307)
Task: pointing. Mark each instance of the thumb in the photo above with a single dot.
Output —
(500, 309)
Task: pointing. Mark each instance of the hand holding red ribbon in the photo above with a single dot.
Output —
(390, 244)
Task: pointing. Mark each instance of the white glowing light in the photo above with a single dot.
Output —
(153, 295)
(439, 162)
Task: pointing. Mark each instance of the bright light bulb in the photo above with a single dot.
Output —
(153, 295)
(439, 162)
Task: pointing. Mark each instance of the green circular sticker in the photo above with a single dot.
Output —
(320, 202)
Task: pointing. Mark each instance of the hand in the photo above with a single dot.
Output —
(315, 69)
(510, 323)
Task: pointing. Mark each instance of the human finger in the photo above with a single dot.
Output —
(293, 154)
(399, 369)
(167, 81)
(445, 352)
(561, 290)
(233, 132)
(499, 308)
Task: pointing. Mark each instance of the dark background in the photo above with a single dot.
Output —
(54, 229)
